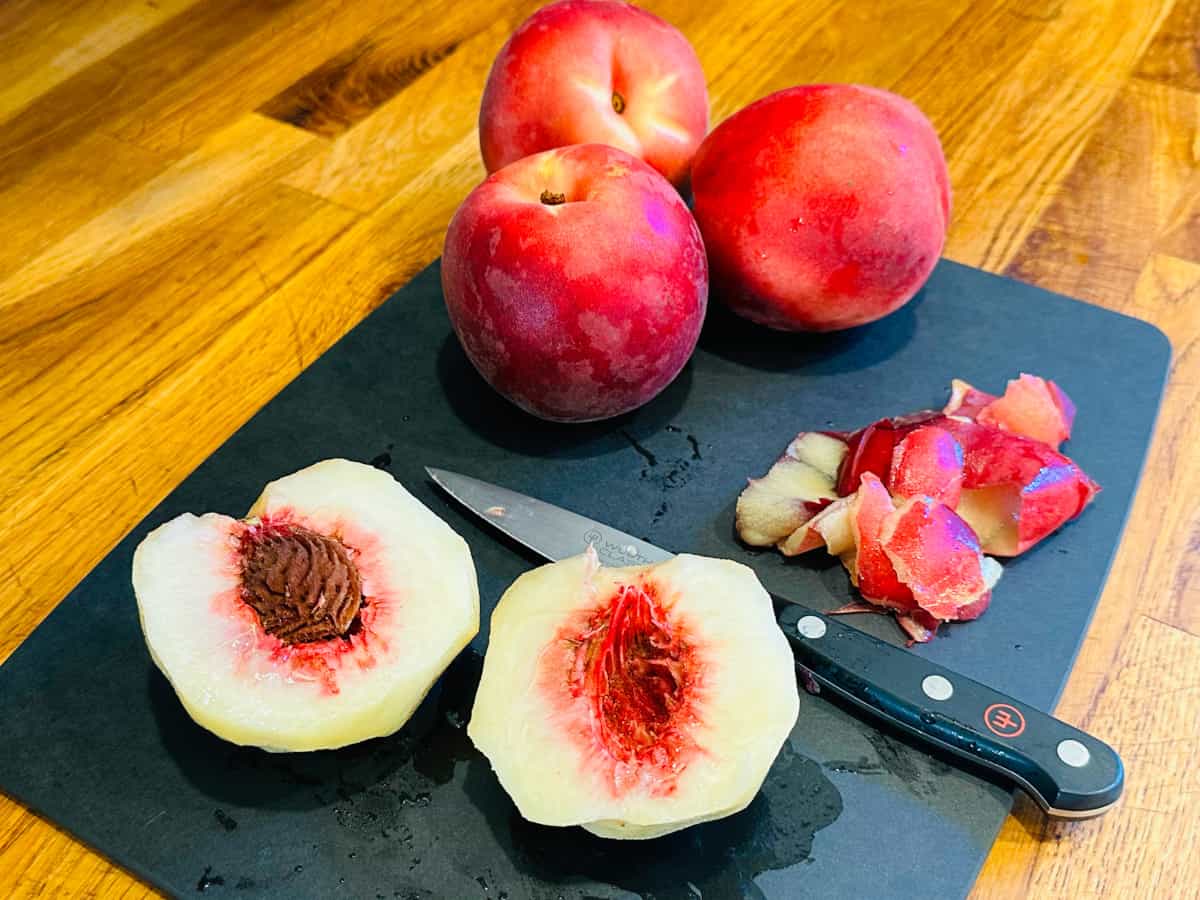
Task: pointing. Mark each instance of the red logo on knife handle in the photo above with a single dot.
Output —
(1004, 720)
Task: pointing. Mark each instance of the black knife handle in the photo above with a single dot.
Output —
(1068, 772)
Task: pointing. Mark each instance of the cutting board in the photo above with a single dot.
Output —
(95, 740)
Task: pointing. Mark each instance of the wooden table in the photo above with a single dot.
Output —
(197, 197)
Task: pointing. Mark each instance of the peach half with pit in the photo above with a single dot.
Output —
(320, 620)
(634, 701)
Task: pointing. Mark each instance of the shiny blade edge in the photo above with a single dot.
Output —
(548, 530)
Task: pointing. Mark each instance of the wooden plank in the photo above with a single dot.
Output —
(1124, 853)
(391, 147)
(48, 41)
(68, 192)
(246, 68)
(149, 357)
(148, 224)
(351, 85)
(1174, 55)
(192, 45)
(39, 861)
(1015, 92)
(1134, 188)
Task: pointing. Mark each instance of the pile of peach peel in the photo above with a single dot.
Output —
(913, 505)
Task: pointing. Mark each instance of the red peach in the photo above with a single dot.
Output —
(822, 206)
(595, 71)
(576, 282)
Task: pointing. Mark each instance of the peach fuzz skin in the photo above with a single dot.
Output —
(558, 79)
(576, 282)
(822, 206)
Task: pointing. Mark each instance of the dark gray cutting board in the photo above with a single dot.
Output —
(94, 739)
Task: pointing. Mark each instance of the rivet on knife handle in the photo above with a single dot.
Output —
(1068, 772)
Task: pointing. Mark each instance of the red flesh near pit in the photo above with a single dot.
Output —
(325, 662)
(633, 683)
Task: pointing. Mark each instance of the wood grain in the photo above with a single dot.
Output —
(197, 198)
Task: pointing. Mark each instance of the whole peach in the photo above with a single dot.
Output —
(595, 71)
(576, 282)
(822, 206)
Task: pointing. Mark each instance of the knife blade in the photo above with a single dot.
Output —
(1069, 773)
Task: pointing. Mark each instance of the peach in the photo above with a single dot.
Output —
(634, 701)
(576, 282)
(822, 206)
(321, 619)
(595, 71)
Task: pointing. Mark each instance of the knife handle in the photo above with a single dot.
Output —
(1067, 771)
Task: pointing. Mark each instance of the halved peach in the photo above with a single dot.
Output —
(797, 487)
(634, 701)
(320, 620)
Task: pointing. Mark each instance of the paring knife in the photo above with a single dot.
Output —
(1068, 772)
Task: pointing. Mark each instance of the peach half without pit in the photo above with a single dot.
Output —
(320, 620)
(634, 701)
